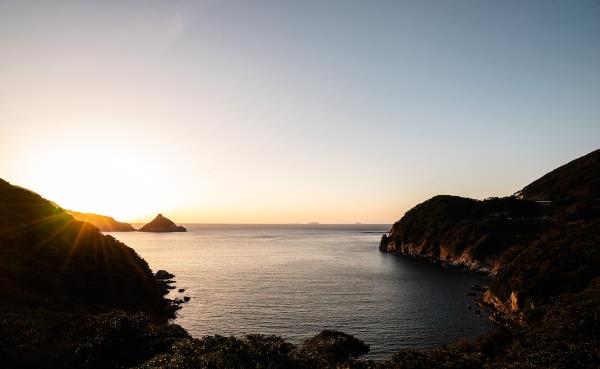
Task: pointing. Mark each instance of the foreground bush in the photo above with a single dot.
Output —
(44, 339)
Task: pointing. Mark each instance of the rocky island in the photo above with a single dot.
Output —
(162, 224)
(102, 222)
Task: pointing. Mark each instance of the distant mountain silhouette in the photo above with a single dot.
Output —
(162, 224)
(102, 222)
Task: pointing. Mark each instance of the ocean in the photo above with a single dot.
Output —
(296, 280)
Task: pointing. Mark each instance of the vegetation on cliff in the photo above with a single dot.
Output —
(579, 179)
(476, 232)
(539, 248)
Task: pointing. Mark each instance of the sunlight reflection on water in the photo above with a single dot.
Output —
(295, 280)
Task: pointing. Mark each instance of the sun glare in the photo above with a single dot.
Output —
(104, 180)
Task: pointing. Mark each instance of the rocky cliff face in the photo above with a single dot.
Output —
(464, 232)
(162, 224)
(102, 222)
(541, 242)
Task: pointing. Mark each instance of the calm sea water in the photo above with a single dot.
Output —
(295, 280)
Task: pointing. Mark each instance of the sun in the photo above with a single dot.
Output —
(104, 179)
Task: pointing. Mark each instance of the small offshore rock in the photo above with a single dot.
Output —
(186, 298)
(181, 290)
(163, 274)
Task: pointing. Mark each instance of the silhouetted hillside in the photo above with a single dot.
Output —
(49, 259)
(102, 222)
(577, 180)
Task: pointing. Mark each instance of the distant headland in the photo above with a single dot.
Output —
(102, 222)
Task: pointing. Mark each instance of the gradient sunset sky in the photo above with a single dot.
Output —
(282, 111)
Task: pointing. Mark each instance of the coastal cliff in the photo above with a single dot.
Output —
(464, 232)
(539, 243)
(162, 224)
(102, 222)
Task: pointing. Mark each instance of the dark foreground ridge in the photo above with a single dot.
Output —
(102, 222)
(162, 224)
(74, 298)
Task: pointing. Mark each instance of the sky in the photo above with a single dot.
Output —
(292, 111)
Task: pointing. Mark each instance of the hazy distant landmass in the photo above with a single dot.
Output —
(102, 222)
(162, 224)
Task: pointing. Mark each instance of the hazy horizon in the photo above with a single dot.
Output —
(275, 112)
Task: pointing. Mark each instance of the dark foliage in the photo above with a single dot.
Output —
(326, 350)
(452, 226)
(562, 260)
(333, 346)
(38, 338)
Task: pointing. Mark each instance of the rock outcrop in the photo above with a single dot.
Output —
(162, 224)
(102, 222)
